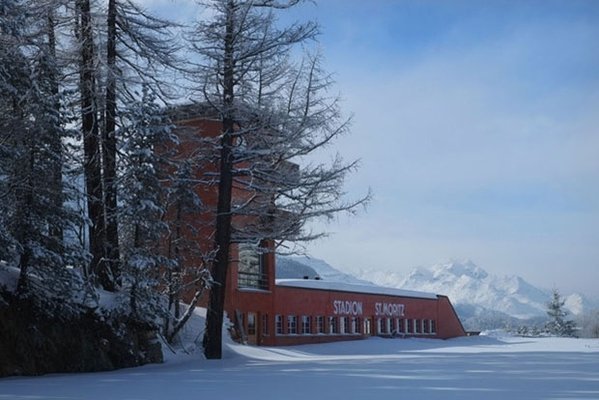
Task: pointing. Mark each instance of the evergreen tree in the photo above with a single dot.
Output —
(142, 209)
(558, 324)
(33, 214)
(13, 81)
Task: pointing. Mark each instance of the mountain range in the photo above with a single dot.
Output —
(482, 300)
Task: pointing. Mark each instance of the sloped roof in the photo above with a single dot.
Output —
(320, 284)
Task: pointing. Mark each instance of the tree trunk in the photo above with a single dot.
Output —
(56, 227)
(109, 149)
(180, 322)
(92, 167)
(24, 209)
(214, 317)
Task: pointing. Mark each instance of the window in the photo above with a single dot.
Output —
(251, 324)
(388, 325)
(425, 327)
(417, 326)
(292, 324)
(433, 326)
(379, 326)
(240, 322)
(265, 324)
(278, 324)
(332, 325)
(343, 324)
(251, 271)
(367, 326)
(306, 325)
(320, 324)
(355, 325)
(399, 325)
(409, 325)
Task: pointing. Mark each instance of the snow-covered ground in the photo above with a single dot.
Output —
(484, 367)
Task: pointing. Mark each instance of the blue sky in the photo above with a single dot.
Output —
(477, 126)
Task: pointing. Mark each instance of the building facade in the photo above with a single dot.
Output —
(266, 311)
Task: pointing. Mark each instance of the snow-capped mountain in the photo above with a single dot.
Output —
(466, 283)
(302, 266)
(482, 300)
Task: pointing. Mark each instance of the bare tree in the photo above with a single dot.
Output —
(589, 323)
(187, 271)
(109, 147)
(90, 131)
(134, 53)
(275, 114)
(139, 48)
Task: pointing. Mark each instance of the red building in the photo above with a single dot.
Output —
(273, 312)
(265, 311)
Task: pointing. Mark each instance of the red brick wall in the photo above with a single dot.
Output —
(287, 301)
(449, 324)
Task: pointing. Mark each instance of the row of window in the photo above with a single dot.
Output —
(306, 325)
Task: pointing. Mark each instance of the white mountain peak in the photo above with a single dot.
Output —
(459, 268)
(475, 293)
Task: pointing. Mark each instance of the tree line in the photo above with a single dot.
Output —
(94, 197)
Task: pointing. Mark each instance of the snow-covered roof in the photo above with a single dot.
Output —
(351, 287)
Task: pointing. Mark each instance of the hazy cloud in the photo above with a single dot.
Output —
(483, 147)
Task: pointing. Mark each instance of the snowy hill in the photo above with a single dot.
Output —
(482, 300)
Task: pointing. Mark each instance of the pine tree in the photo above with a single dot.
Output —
(34, 213)
(13, 78)
(558, 324)
(142, 209)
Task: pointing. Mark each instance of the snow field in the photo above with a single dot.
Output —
(483, 367)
